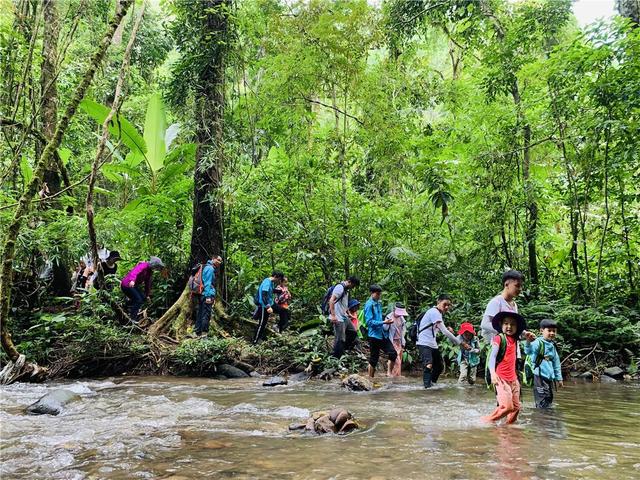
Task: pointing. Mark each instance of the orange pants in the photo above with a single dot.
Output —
(508, 394)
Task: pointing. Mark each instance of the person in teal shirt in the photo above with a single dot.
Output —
(546, 370)
(264, 303)
(378, 338)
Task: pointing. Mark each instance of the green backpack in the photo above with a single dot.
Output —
(530, 367)
(362, 325)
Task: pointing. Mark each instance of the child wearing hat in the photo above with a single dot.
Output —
(468, 360)
(546, 362)
(502, 365)
(397, 330)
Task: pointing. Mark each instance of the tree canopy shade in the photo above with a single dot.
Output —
(423, 145)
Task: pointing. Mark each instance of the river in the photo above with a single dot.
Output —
(192, 428)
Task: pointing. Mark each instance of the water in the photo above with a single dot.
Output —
(186, 428)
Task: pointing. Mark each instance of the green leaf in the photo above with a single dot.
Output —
(26, 171)
(119, 126)
(155, 126)
(65, 154)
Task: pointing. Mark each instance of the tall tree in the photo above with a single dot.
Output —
(201, 31)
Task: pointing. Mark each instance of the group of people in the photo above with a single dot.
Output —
(502, 329)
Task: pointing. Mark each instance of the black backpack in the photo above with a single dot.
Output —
(327, 297)
(414, 333)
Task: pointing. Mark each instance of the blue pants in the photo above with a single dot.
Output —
(204, 315)
(136, 299)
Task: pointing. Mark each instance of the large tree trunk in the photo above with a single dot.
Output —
(61, 284)
(207, 234)
(24, 204)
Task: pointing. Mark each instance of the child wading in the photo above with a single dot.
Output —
(546, 364)
(397, 332)
(428, 346)
(502, 365)
(468, 360)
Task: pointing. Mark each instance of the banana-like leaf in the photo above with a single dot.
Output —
(155, 126)
(119, 126)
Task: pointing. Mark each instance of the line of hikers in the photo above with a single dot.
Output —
(502, 328)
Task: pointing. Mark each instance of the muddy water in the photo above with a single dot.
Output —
(177, 428)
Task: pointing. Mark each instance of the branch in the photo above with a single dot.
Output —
(310, 100)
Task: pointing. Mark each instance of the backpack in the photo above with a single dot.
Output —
(531, 366)
(195, 280)
(327, 297)
(362, 325)
(413, 332)
(502, 349)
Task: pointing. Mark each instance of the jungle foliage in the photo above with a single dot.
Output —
(424, 145)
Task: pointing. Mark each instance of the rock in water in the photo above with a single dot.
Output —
(325, 425)
(348, 426)
(614, 372)
(357, 383)
(607, 379)
(52, 403)
(274, 381)
(327, 374)
(586, 376)
(300, 377)
(230, 371)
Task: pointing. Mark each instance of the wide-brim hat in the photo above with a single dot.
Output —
(353, 303)
(496, 321)
(466, 327)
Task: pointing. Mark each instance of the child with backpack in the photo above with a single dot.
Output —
(544, 362)
(502, 365)
(397, 330)
(281, 306)
(468, 360)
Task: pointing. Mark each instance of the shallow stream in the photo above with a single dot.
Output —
(192, 428)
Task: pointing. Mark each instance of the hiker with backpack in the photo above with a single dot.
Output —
(543, 363)
(378, 337)
(132, 282)
(335, 304)
(264, 303)
(281, 305)
(432, 364)
(502, 366)
(397, 331)
(202, 284)
(468, 360)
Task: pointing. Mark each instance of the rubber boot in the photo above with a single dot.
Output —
(426, 377)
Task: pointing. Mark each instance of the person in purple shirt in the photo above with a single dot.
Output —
(133, 281)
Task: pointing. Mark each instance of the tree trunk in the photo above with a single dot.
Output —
(61, 284)
(629, 9)
(24, 204)
(607, 216)
(532, 206)
(208, 228)
(115, 106)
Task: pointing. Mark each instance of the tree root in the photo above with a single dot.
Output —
(21, 370)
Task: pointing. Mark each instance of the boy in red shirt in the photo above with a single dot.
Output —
(502, 365)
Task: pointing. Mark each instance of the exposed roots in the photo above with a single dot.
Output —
(23, 371)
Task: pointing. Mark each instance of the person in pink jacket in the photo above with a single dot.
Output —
(133, 281)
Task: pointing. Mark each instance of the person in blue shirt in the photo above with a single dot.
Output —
(378, 337)
(264, 303)
(547, 370)
(206, 299)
